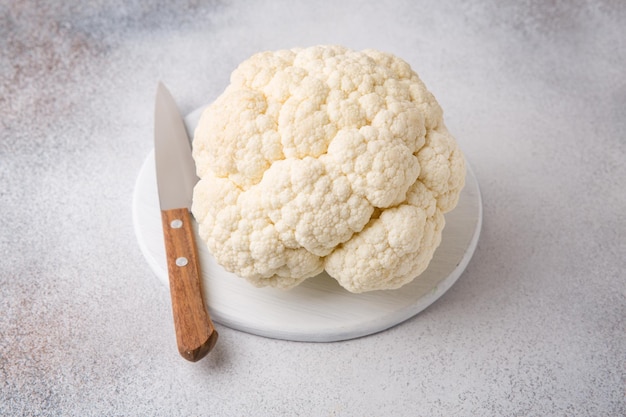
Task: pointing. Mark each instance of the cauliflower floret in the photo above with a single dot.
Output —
(311, 207)
(394, 248)
(325, 158)
(242, 238)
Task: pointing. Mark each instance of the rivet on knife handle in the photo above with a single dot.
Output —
(195, 333)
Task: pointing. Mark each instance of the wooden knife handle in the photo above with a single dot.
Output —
(195, 333)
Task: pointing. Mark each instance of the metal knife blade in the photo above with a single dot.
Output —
(176, 170)
(176, 177)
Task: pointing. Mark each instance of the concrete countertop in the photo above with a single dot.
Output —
(535, 93)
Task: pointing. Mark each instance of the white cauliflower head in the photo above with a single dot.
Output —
(325, 158)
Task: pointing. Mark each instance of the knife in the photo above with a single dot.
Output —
(176, 177)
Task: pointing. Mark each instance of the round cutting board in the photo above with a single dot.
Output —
(318, 310)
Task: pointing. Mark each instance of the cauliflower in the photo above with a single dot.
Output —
(325, 158)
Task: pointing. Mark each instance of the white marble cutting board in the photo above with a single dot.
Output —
(319, 310)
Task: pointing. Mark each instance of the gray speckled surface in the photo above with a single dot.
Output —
(535, 93)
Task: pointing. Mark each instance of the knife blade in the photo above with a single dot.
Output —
(176, 177)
